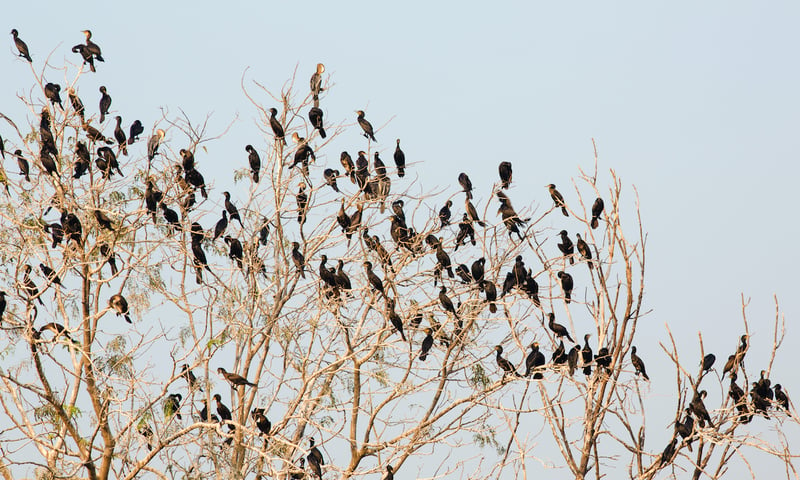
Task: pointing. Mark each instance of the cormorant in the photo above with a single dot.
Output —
(366, 126)
(730, 365)
(473, 213)
(262, 423)
(443, 262)
(668, 453)
(446, 303)
(566, 246)
(383, 254)
(119, 136)
(118, 303)
(559, 356)
(584, 250)
(51, 91)
(152, 196)
(505, 174)
(532, 288)
(171, 216)
(463, 273)
(316, 82)
(477, 271)
(586, 355)
(302, 154)
(427, 344)
(233, 212)
(277, 129)
(51, 275)
(105, 103)
(519, 271)
(235, 250)
(172, 405)
(221, 225)
(510, 218)
(781, 398)
(490, 290)
(3, 304)
(466, 184)
(572, 359)
(557, 328)
(235, 378)
(134, 132)
(255, 161)
(315, 115)
(389, 473)
(686, 428)
(48, 162)
(56, 232)
(29, 286)
(153, 144)
(708, 362)
(400, 160)
(397, 209)
(298, 259)
(187, 157)
(361, 172)
(444, 213)
(394, 318)
(187, 373)
(82, 160)
(638, 364)
(342, 280)
(315, 459)
(263, 233)
(566, 285)
(199, 261)
(24, 166)
(355, 223)
(699, 408)
(465, 231)
(107, 162)
(503, 363)
(349, 167)
(92, 47)
(741, 350)
(327, 275)
(603, 359)
(196, 180)
(86, 55)
(22, 47)
(534, 360)
(95, 135)
(597, 210)
(763, 386)
(72, 227)
(375, 282)
(103, 220)
(558, 200)
(76, 102)
(223, 411)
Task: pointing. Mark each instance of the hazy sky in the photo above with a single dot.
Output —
(694, 103)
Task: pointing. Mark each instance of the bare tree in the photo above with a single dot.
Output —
(320, 320)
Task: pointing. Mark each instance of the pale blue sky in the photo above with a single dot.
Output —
(696, 103)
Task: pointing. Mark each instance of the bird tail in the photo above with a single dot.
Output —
(587, 370)
(255, 177)
(595, 222)
(482, 223)
(493, 307)
(538, 376)
(322, 132)
(469, 193)
(401, 172)
(383, 207)
(571, 260)
(91, 67)
(423, 356)
(567, 296)
(564, 211)
(450, 272)
(128, 318)
(102, 117)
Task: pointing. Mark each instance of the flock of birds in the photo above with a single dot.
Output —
(373, 186)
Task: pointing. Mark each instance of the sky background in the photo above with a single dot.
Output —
(696, 104)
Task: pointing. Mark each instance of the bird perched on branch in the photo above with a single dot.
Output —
(22, 47)
(638, 364)
(52, 92)
(187, 373)
(597, 210)
(400, 160)
(316, 82)
(557, 328)
(255, 161)
(92, 47)
(505, 174)
(558, 199)
(276, 126)
(315, 116)
(86, 55)
(153, 143)
(566, 285)
(503, 363)
(235, 379)
(119, 136)
(105, 103)
(566, 246)
(466, 184)
(119, 304)
(366, 126)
